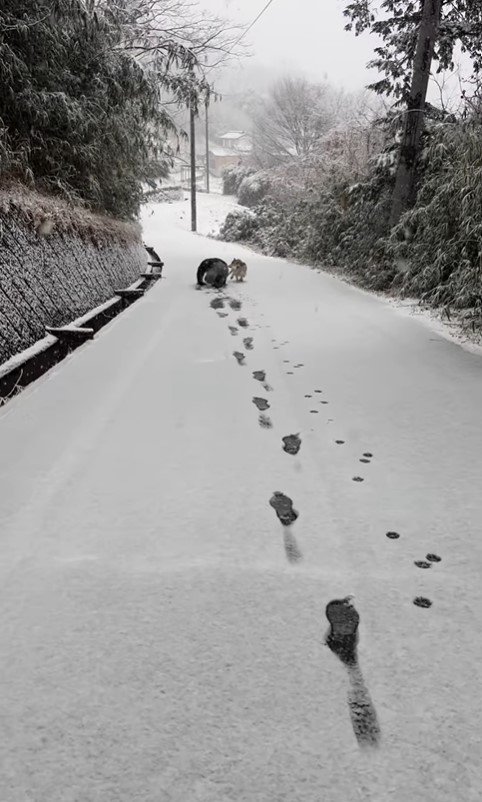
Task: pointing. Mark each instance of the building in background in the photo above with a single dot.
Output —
(234, 149)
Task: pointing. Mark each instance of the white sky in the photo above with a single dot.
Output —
(308, 36)
(303, 35)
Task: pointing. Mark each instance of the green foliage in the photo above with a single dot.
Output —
(232, 178)
(253, 188)
(440, 241)
(396, 22)
(434, 254)
(79, 115)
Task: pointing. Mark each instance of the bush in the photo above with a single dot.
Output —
(435, 253)
(239, 226)
(440, 240)
(253, 188)
(232, 178)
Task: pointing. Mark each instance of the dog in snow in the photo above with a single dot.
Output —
(238, 270)
(213, 272)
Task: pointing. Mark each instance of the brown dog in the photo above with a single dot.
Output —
(238, 270)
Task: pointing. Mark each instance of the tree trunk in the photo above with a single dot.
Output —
(192, 137)
(207, 145)
(405, 191)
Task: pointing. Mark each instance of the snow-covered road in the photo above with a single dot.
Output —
(162, 634)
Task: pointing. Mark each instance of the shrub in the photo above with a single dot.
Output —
(253, 188)
(232, 178)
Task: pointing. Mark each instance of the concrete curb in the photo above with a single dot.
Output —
(27, 366)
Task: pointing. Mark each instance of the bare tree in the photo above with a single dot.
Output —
(291, 122)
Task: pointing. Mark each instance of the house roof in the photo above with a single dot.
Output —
(233, 135)
(222, 152)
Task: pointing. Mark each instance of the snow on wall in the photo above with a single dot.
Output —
(49, 281)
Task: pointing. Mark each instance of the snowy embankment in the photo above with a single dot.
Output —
(164, 631)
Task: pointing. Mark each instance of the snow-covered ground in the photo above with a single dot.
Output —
(212, 210)
(163, 634)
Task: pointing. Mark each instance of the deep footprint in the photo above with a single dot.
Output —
(265, 422)
(342, 639)
(235, 304)
(358, 479)
(248, 343)
(422, 564)
(239, 356)
(291, 443)
(393, 535)
(422, 601)
(339, 442)
(365, 460)
(217, 303)
(259, 375)
(261, 403)
(283, 507)
(243, 322)
(314, 411)
(434, 558)
(367, 454)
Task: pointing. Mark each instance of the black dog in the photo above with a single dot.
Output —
(213, 272)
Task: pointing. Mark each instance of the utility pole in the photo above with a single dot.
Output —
(206, 106)
(192, 113)
(405, 190)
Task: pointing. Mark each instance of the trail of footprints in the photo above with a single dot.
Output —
(342, 636)
(291, 443)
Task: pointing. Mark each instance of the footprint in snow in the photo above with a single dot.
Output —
(217, 303)
(422, 601)
(233, 330)
(222, 314)
(259, 375)
(265, 421)
(283, 507)
(239, 356)
(422, 564)
(342, 640)
(248, 343)
(243, 322)
(291, 443)
(234, 304)
(261, 403)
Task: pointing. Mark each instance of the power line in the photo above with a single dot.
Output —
(240, 38)
(265, 8)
